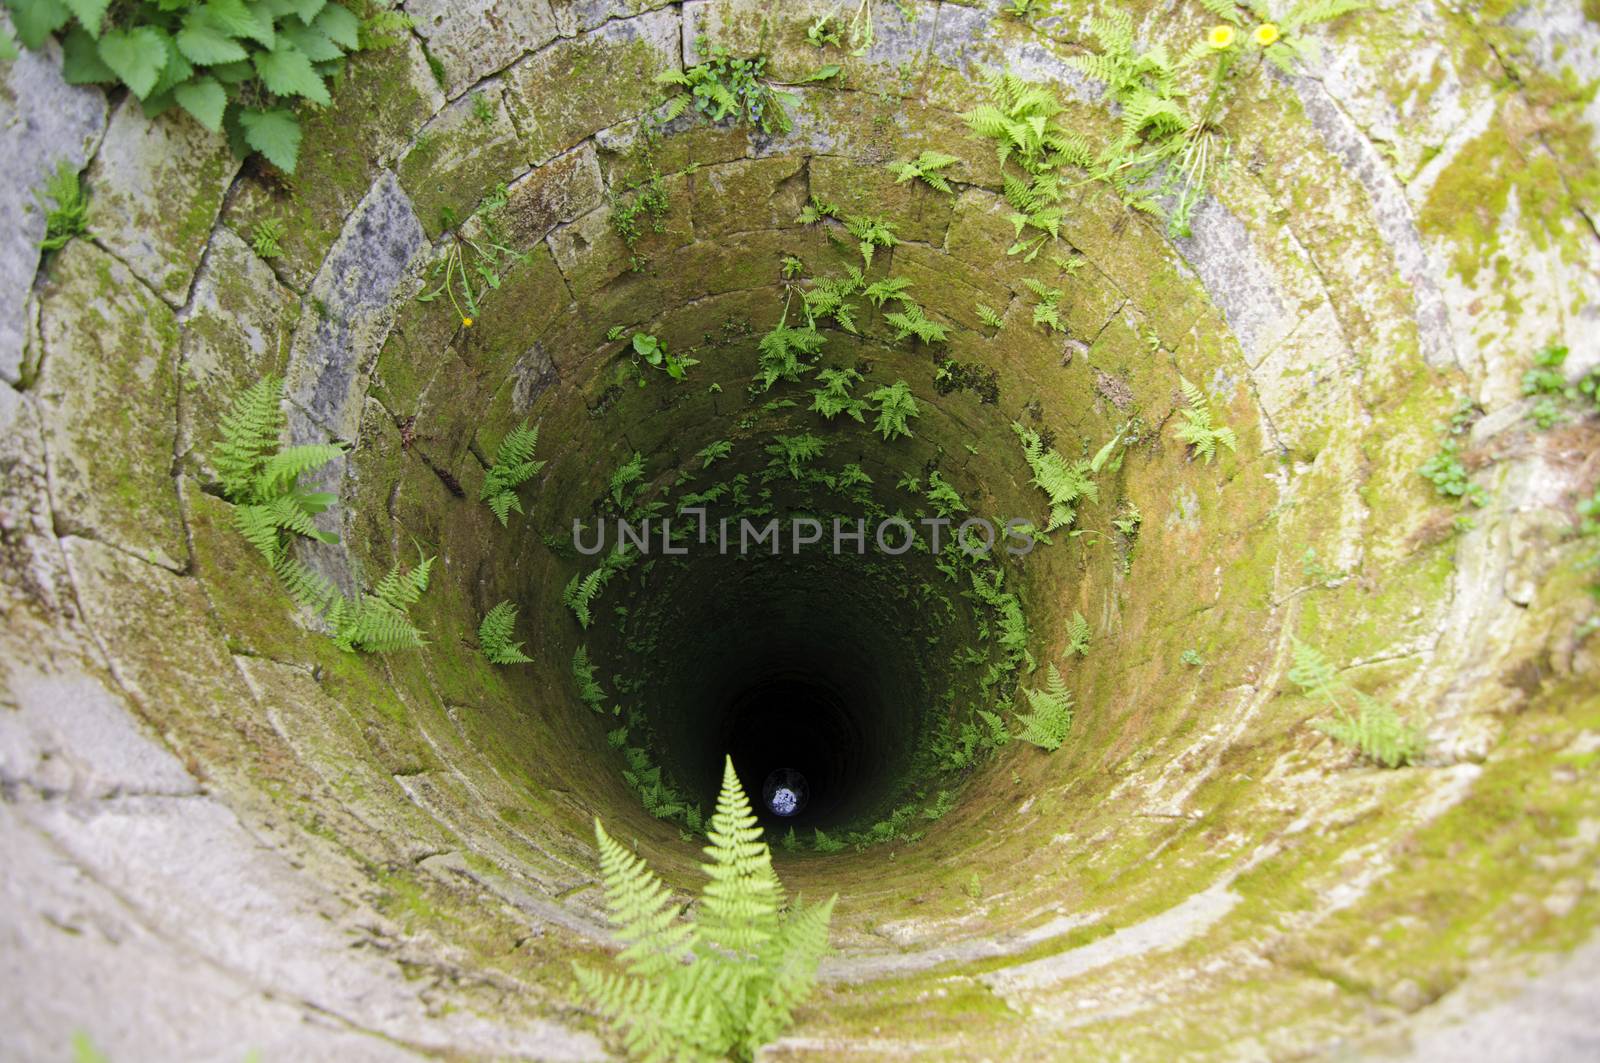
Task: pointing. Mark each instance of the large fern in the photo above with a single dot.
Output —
(271, 510)
(1050, 721)
(513, 466)
(495, 636)
(723, 983)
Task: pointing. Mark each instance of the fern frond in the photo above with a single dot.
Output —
(643, 910)
(739, 906)
(249, 432)
(280, 471)
(494, 636)
(310, 590)
(1078, 635)
(1312, 672)
(375, 627)
(1050, 721)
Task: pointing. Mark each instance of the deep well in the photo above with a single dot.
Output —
(224, 833)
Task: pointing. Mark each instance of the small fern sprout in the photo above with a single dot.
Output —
(1050, 721)
(1375, 729)
(69, 216)
(1079, 634)
(1064, 483)
(513, 466)
(494, 636)
(895, 406)
(925, 168)
(1196, 428)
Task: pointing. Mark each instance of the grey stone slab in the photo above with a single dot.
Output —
(472, 39)
(350, 307)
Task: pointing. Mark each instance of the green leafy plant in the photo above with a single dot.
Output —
(782, 353)
(1375, 730)
(1196, 428)
(380, 621)
(483, 108)
(648, 350)
(894, 406)
(264, 237)
(513, 466)
(1047, 311)
(712, 453)
(926, 168)
(871, 233)
(1545, 379)
(1064, 483)
(236, 67)
(833, 397)
(723, 87)
(1023, 121)
(475, 259)
(825, 30)
(69, 214)
(815, 210)
(723, 983)
(1191, 658)
(580, 593)
(910, 320)
(639, 198)
(589, 690)
(943, 497)
(792, 453)
(495, 636)
(271, 509)
(1050, 721)
(989, 316)
(1079, 635)
(262, 479)
(820, 842)
(1449, 476)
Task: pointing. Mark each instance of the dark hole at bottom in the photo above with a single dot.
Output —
(798, 723)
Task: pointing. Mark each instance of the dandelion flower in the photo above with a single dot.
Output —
(466, 322)
(1220, 37)
(1266, 35)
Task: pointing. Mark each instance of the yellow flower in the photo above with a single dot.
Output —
(1265, 35)
(1220, 37)
(466, 322)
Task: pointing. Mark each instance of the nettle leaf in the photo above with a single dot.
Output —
(287, 72)
(205, 99)
(317, 45)
(275, 134)
(137, 56)
(206, 40)
(80, 60)
(176, 71)
(306, 9)
(240, 20)
(90, 13)
(340, 26)
(37, 20)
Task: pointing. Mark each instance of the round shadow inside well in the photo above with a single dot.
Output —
(795, 725)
